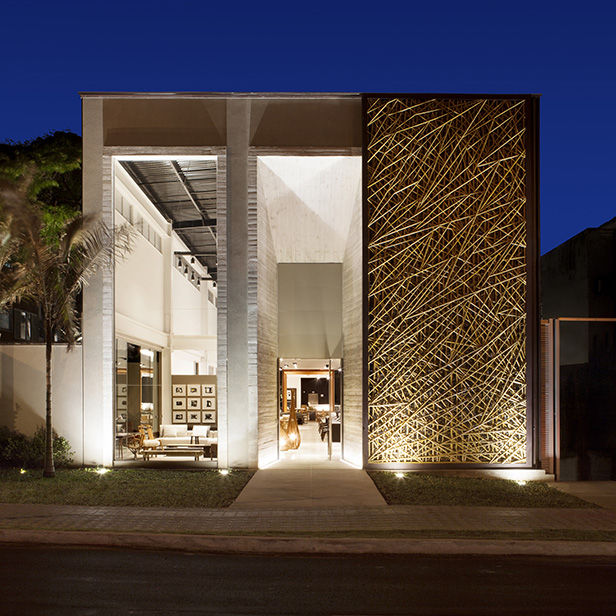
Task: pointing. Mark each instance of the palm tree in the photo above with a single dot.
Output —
(51, 272)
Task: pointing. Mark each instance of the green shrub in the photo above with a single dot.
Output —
(17, 449)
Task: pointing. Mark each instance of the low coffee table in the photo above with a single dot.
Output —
(209, 448)
(175, 450)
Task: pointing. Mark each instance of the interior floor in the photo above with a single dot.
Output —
(312, 452)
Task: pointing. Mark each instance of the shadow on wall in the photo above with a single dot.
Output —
(22, 391)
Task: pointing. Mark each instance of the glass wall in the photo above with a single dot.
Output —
(138, 392)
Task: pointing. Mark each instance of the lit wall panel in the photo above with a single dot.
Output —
(446, 209)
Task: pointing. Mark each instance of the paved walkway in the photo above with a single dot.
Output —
(236, 520)
(199, 529)
(281, 488)
(602, 493)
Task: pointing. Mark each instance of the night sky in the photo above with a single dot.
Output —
(53, 50)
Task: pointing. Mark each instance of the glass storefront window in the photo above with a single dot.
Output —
(137, 391)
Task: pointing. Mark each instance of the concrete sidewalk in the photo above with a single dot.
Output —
(213, 530)
(295, 504)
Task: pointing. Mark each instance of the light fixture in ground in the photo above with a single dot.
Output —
(102, 470)
(400, 475)
(224, 471)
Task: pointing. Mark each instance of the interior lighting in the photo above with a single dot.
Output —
(400, 475)
(22, 471)
(102, 471)
(224, 471)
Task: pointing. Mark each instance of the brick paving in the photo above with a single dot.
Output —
(204, 521)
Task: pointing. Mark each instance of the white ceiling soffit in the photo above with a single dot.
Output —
(310, 201)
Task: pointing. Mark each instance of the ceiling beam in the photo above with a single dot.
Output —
(194, 224)
(193, 199)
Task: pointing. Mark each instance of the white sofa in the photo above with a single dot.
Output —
(179, 434)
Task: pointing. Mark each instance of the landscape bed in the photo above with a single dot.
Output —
(124, 487)
(432, 489)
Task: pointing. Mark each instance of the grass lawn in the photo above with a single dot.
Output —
(124, 487)
(427, 489)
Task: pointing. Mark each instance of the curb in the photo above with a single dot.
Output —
(302, 546)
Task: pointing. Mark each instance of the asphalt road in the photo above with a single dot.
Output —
(46, 582)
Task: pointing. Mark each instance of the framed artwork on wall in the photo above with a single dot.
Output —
(208, 404)
(179, 417)
(193, 390)
(194, 417)
(194, 403)
(208, 390)
(208, 417)
(179, 403)
(179, 390)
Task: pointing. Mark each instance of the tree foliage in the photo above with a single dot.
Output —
(51, 249)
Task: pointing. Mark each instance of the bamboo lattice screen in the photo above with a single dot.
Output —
(445, 199)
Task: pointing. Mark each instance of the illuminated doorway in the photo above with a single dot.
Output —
(310, 417)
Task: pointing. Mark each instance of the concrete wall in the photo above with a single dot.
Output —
(309, 121)
(182, 124)
(310, 310)
(352, 332)
(267, 338)
(98, 298)
(22, 391)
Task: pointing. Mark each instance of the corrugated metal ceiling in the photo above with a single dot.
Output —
(184, 191)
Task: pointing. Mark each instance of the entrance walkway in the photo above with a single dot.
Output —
(274, 488)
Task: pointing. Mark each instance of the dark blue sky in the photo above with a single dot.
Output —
(53, 50)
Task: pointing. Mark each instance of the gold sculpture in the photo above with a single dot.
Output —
(446, 281)
(290, 437)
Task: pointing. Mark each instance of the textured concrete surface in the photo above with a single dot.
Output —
(252, 520)
(315, 508)
(602, 493)
(308, 545)
(308, 488)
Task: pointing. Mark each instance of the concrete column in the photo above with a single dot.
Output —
(241, 418)
(98, 299)
(165, 357)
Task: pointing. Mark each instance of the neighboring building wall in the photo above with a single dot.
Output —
(22, 391)
(579, 281)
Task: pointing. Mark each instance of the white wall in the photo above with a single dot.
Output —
(139, 275)
(310, 310)
(294, 381)
(22, 391)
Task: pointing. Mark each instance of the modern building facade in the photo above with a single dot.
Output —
(390, 238)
